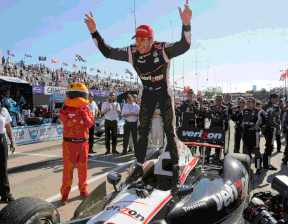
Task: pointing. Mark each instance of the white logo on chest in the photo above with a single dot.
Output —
(71, 115)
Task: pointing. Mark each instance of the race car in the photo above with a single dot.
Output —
(100, 126)
(222, 191)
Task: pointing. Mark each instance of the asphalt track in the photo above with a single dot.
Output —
(35, 170)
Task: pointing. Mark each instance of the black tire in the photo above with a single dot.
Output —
(29, 210)
(244, 159)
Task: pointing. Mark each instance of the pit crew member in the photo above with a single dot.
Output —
(218, 113)
(252, 117)
(238, 134)
(151, 60)
(190, 109)
(284, 125)
(273, 112)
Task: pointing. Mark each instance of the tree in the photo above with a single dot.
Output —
(250, 91)
(210, 91)
(263, 90)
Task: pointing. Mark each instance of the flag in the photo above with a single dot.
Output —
(105, 73)
(127, 71)
(55, 62)
(80, 58)
(42, 58)
(186, 89)
(84, 67)
(27, 55)
(10, 53)
(282, 77)
(98, 70)
(92, 69)
(64, 64)
(127, 77)
(117, 75)
(111, 74)
(75, 66)
(136, 78)
(122, 76)
(131, 77)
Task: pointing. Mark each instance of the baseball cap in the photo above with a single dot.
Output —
(144, 32)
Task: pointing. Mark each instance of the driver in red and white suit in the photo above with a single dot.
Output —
(76, 119)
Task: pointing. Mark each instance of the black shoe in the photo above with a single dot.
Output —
(130, 150)
(124, 152)
(7, 198)
(270, 167)
(115, 152)
(278, 150)
(137, 171)
(107, 152)
(91, 151)
(258, 172)
(284, 162)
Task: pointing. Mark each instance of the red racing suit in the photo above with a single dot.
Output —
(76, 124)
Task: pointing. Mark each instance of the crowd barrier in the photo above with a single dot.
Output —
(30, 134)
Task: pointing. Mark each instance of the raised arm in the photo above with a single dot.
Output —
(120, 54)
(180, 47)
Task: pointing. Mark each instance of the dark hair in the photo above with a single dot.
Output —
(229, 95)
(241, 98)
(190, 90)
(219, 96)
(252, 98)
(274, 95)
(280, 101)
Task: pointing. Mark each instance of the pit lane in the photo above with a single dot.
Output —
(36, 170)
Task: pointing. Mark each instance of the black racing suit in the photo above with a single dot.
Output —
(218, 115)
(284, 124)
(153, 70)
(203, 113)
(190, 113)
(270, 130)
(238, 135)
(230, 107)
(251, 121)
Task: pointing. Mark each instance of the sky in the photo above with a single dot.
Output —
(238, 43)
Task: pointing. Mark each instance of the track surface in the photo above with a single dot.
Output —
(35, 170)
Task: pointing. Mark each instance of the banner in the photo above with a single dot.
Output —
(127, 71)
(27, 55)
(42, 58)
(98, 70)
(92, 69)
(75, 66)
(84, 67)
(10, 53)
(55, 62)
(37, 133)
(64, 64)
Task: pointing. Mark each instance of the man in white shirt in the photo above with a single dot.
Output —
(111, 109)
(130, 112)
(93, 107)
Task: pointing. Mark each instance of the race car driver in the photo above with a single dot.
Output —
(218, 113)
(252, 117)
(273, 112)
(76, 119)
(190, 109)
(238, 134)
(151, 60)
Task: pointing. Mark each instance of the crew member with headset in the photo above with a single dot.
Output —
(238, 134)
(94, 109)
(130, 113)
(252, 118)
(273, 112)
(111, 110)
(5, 120)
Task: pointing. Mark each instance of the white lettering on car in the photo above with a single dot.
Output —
(229, 193)
(202, 134)
(200, 204)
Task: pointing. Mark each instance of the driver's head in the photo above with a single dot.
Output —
(200, 100)
(274, 98)
(190, 94)
(144, 38)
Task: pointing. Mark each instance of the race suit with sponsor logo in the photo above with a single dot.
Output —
(76, 124)
(230, 107)
(190, 113)
(203, 113)
(238, 134)
(251, 121)
(153, 70)
(218, 114)
(273, 113)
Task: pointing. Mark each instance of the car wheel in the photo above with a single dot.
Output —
(29, 210)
